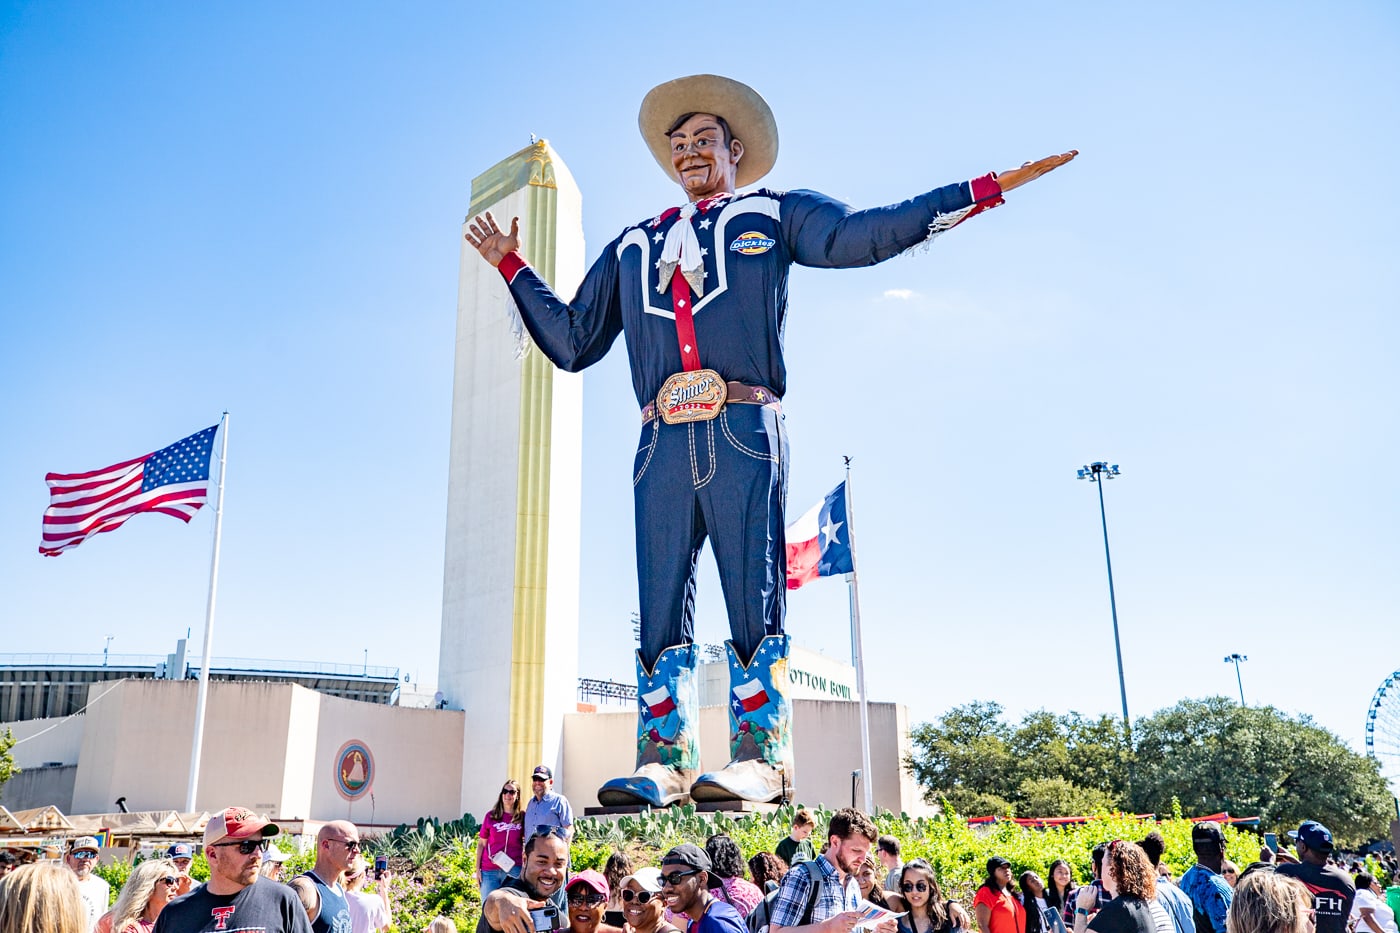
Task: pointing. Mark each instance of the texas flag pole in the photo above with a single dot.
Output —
(858, 646)
(822, 544)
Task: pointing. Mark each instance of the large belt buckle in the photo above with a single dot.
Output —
(697, 395)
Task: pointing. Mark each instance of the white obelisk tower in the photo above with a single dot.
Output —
(509, 649)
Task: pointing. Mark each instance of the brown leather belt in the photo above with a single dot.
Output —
(738, 392)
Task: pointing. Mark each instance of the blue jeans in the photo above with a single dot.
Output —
(491, 879)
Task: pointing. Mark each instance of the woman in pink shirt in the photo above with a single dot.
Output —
(728, 870)
(502, 835)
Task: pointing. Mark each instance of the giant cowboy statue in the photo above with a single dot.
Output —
(700, 291)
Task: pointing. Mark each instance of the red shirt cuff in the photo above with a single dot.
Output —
(986, 188)
(511, 264)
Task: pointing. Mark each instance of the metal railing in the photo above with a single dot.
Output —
(216, 665)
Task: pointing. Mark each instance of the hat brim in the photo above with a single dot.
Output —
(649, 882)
(749, 117)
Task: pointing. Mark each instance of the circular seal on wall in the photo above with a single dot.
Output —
(354, 770)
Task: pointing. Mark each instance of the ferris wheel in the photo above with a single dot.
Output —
(1383, 730)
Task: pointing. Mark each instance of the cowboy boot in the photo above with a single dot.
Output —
(668, 733)
(760, 730)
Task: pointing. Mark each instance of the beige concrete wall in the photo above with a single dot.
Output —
(416, 757)
(39, 741)
(137, 739)
(826, 746)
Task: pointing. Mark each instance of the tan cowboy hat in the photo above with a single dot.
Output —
(749, 117)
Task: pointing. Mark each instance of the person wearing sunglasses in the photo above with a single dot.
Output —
(643, 908)
(539, 887)
(928, 910)
(588, 893)
(320, 888)
(150, 886)
(234, 842)
(81, 859)
(502, 840)
(685, 886)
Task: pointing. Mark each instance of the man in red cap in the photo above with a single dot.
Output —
(234, 841)
(700, 290)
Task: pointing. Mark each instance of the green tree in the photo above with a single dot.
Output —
(1215, 755)
(7, 758)
(965, 759)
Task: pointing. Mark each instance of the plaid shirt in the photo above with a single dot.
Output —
(791, 901)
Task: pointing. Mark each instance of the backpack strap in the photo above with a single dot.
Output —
(814, 878)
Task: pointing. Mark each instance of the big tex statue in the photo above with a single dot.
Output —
(700, 291)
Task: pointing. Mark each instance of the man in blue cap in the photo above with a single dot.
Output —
(1332, 890)
(182, 854)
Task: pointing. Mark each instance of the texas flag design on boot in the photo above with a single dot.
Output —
(659, 703)
(748, 697)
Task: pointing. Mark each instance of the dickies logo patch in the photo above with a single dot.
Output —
(752, 244)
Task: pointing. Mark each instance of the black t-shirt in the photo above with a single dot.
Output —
(1124, 915)
(1332, 890)
(558, 899)
(265, 906)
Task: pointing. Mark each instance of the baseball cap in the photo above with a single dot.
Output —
(995, 862)
(1313, 835)
(688, 854)
(591, 879)
(543, 773)
(648, 879)
(1207, 831)
(274, 854)
(180, 850)
(85, 842)
(238, 823)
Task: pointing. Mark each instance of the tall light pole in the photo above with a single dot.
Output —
(1236, 658)
(1099, 473)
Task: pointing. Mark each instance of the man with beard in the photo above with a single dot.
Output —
(540, 885)
(234, 840)
(834, 903)
(685, 885)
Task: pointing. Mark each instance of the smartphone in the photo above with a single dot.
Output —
(381, 865)
(546, 918)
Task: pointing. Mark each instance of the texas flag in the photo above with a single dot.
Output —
(658, 702)
(749, 697)
(819, 543)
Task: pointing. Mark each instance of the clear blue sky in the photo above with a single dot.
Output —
(256, 207)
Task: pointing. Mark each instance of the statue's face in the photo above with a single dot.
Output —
(705, 165)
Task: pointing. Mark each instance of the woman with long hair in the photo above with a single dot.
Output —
(619, 866)
(1266, 902)
(150, 886)
(502, 840)
(42, 897)
(868, 878)
(727, 866)
(767, 870)
(1041, 917)
(1130, 879)
(928, 910)
(1059, 893)
(998, 908)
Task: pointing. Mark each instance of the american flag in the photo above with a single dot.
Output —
(173, 481)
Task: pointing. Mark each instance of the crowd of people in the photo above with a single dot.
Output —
(848, 879)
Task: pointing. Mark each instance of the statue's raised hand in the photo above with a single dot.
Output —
(488, 239)
(1017, 177)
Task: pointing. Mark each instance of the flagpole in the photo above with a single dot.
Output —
(198, 745)
(857, 647)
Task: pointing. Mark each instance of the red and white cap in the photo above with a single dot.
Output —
(238, 823)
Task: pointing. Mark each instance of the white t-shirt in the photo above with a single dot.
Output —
(367, 912)
(96, 893)
(1383, 914)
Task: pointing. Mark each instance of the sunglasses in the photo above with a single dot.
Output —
(920, 886)
(84, 854)
(246, 847)
(641, 897)
(591, 899)
(543, 831)
(675, 877)
(352, 846)
(509, 792)
(169, 880)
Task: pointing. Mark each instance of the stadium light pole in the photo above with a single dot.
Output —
(1099, 473)
(1236, 658)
